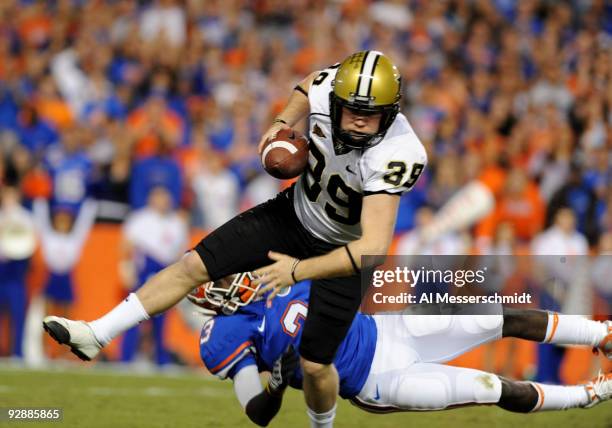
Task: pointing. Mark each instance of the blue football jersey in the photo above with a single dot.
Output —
(71, 176)
(259, 335)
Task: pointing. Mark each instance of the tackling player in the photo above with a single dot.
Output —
(386, 363)
(363, 156)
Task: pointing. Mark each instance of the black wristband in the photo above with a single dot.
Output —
(355, 268)
(295, 263)
(279, 120)
(300, 89)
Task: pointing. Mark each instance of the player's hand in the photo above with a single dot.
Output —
(283, 371)
(276, 276)
(271, 133)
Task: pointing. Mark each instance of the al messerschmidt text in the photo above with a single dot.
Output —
(516, 298)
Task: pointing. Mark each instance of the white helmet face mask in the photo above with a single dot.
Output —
(228, 299)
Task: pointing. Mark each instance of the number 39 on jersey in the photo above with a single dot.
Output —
(328, 196)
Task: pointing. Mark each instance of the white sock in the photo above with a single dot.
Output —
(556, 397)
(122, 317)
(574, 330)
(322, 420)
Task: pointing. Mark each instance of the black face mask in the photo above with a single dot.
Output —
(351, 140)
(345, 141)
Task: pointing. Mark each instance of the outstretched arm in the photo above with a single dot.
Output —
(40, 209)
(262, 405)
(85, 220)
(296, 109)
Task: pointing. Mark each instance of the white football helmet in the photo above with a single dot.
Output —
(225, 296)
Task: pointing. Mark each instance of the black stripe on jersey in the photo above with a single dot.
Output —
(378, 192)
(361, 72)
(300, 89)
(372, 76)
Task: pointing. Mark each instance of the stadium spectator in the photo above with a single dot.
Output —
(160, 169)
(561, 238)
(153, 237)
(165, 20)
(449, 244)
(216, 188)
(605, 212)
(520, 205)
(33, 133)
(601, 274)
(63, 233)
(70, 167)
(51, 106)
(16, 247)
(581, 198)
(154, 125)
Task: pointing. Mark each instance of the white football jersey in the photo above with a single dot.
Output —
(329, 193)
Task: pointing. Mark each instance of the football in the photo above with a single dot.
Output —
(286, 155)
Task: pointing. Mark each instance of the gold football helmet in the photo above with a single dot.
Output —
(369, 83)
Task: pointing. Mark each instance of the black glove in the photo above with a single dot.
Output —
(283, 371)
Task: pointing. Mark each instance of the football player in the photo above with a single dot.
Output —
(363, 156)
(386, 363)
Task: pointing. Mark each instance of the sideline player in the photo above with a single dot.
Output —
(386, 363)
(363, 156)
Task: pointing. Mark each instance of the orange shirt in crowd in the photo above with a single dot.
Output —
(525, 212)
(189, 158)
(36, 184)
(148, 141)
(494, 178)
(55, 111)
(235, 57)
(35, 29)
(303, 60)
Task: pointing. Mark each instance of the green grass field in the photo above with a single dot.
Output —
(101, 398)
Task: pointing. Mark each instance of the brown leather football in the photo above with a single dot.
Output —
(286, 155)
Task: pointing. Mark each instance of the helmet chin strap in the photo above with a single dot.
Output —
(359, 139)
(358, 134)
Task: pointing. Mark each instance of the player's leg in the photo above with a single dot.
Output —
(428, 387)
(159, 293)
(320, 385)
(332, 306)
(440, 338)
(526, 397)
(16, 291)
(560, 329)
(240, 245)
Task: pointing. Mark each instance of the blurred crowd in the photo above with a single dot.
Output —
(111, 99)
(108, 99)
